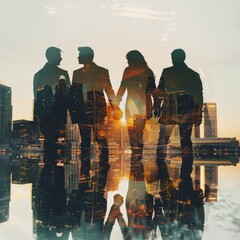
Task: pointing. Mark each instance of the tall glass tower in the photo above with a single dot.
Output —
(210, 120)
(5, 114)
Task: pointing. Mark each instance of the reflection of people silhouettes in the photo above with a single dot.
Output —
(95, 206)
(139, 210)
(179, 214)
(139, 81)
(115, 213)
(49, 204)
(191, 211)
(180, 85)
(95, 80)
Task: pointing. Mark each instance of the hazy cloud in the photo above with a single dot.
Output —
(51, 10)
(141, 11)
(3, 57)
(68, 6)
(168, 33)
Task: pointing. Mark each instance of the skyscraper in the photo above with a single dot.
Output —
(24, 133)
(211, 183)
(210, 120)
(5, 114)
(5, 187)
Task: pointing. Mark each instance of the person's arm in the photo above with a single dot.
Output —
(122, 224)
(67, 79)
(117, 112)
(151, 84)
(113, 214)
(198, 100)
(121, 89)
(74, 79)
(158, 95)
(76, 104)
(35, 87)
(108, 89)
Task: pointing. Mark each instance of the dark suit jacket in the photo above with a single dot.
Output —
(48, 75)
(94, 79)
(182, 78)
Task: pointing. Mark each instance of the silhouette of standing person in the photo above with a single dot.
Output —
(95, 81)
(181, 85)
(138, 79)
(50, 91)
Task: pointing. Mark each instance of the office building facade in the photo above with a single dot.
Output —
(5, 114)
(210, 120)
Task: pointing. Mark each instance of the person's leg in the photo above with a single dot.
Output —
(164, 135)
(101, 138)
(136, 141)
(186, 146)
(85, 131)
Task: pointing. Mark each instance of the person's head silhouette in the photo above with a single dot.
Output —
(178, 56)
(134, 57)
(86, 55)
(53, 55)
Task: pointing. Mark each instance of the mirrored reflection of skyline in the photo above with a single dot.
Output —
(128, 199)
(71, 169)
(154, 201)
(62, 209)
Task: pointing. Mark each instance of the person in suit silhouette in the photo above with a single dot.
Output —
(50, 86)
(183, 87)
(95, 81)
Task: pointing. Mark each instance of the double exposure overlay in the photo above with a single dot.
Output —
(130, 137)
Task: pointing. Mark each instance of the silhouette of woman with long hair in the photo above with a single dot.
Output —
(138, 79)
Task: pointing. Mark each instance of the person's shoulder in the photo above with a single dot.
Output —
(63, 71)
(127, 69)
(39, 73)
(101, 71)
(127, 73)
(39, 77)
(79, 70)
(169, 70)
(150, 71)
(100, 68)
(194, 73)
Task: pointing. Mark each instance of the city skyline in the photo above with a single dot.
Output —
(156, 29)
(201, 172)
(54, 184)
(208, 129)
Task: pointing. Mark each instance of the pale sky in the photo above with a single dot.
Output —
(209, 32)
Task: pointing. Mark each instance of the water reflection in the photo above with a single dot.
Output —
(65, 207)
(5, 187)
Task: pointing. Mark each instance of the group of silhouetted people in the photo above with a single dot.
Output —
(176, 101)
